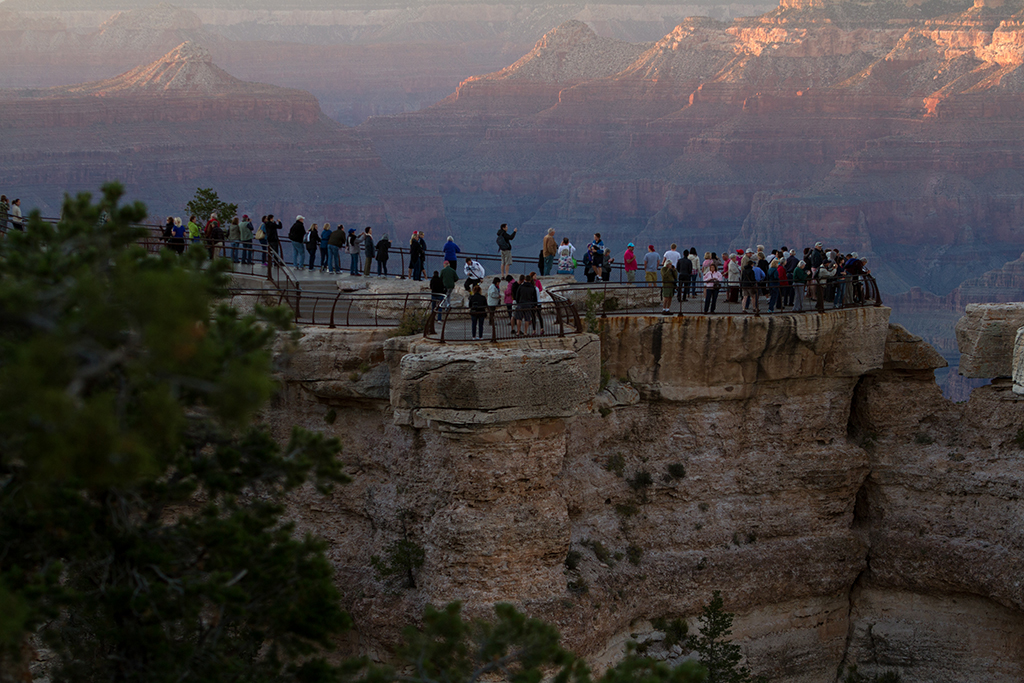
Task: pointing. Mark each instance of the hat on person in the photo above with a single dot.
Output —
(630, 244)
(817, 244)
(351, 230)
(245, 217)
(300, 218)
(650, 246)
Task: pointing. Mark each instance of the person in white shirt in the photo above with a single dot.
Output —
(672, 256)
(15, 215)
(474, 273)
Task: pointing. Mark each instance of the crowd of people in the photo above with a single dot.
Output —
(782, 276)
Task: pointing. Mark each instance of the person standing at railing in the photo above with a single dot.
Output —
(652, 262)
(596, 251)
(15, 216)
(382, 256)
(234, 238)
(669, 277)
(684, 269)
(695, 271)
(334, 247)
(504, 242)
(312, 241)
(772, 280)
(177, 240)
(296, 235)
(474, 272)
(272, 229)
(451, 250)
(549, 251)
(195, 233)
(421, 238)
(415, 256)
(213, 233)
(629, 263)
(748, 285)
(510, 294)
(368, 250)
(5, 210)
(261, 237)
(494, 295)
(165, 232)
(566, 257)
(712, 284)
(353, 247)
(245, 231)
(526, 304)
(477, 312)
(325, 248)
(799, 285)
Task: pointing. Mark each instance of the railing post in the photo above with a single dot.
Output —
(494, 328)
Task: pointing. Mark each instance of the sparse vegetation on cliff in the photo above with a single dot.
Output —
(717, 653)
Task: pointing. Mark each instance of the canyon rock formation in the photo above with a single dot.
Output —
(181, 122)
(808, 466)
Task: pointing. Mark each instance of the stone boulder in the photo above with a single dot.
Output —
(467, 385)
(986, 335)
(906, 351)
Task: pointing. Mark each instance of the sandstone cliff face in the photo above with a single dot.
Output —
(805, 465)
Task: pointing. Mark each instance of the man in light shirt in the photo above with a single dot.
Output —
(673, 256)
(652, 261)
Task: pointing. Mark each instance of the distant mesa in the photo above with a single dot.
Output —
(187, 69)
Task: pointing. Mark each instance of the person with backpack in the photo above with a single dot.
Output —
(504, 242)
(296, 235)
(335, 244)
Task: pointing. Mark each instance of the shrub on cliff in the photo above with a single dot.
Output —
(142, 535)
(717, 653)
(511, 647)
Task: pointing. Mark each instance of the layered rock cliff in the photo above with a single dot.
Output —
(181, 122)
(807, 466)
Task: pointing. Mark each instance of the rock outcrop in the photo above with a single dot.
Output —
(808, 466)
(987, 334)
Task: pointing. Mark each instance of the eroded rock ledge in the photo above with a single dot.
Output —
(807, 466)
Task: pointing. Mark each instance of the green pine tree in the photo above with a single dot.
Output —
(142, 536)
(719, 656)
(206, 201)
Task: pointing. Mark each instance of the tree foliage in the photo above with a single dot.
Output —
(142, 534)
(511, 647)
(206, 201)
(717, 653)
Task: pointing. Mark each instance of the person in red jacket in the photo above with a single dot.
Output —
(629, 263)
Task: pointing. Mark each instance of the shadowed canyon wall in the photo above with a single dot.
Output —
(807, 466)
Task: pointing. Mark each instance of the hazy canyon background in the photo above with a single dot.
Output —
(888, 128)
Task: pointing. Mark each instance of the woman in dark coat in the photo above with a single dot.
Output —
(382, 256)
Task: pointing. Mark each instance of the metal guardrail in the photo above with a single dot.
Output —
(324, 309)
(604, 299)
(554, 318)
